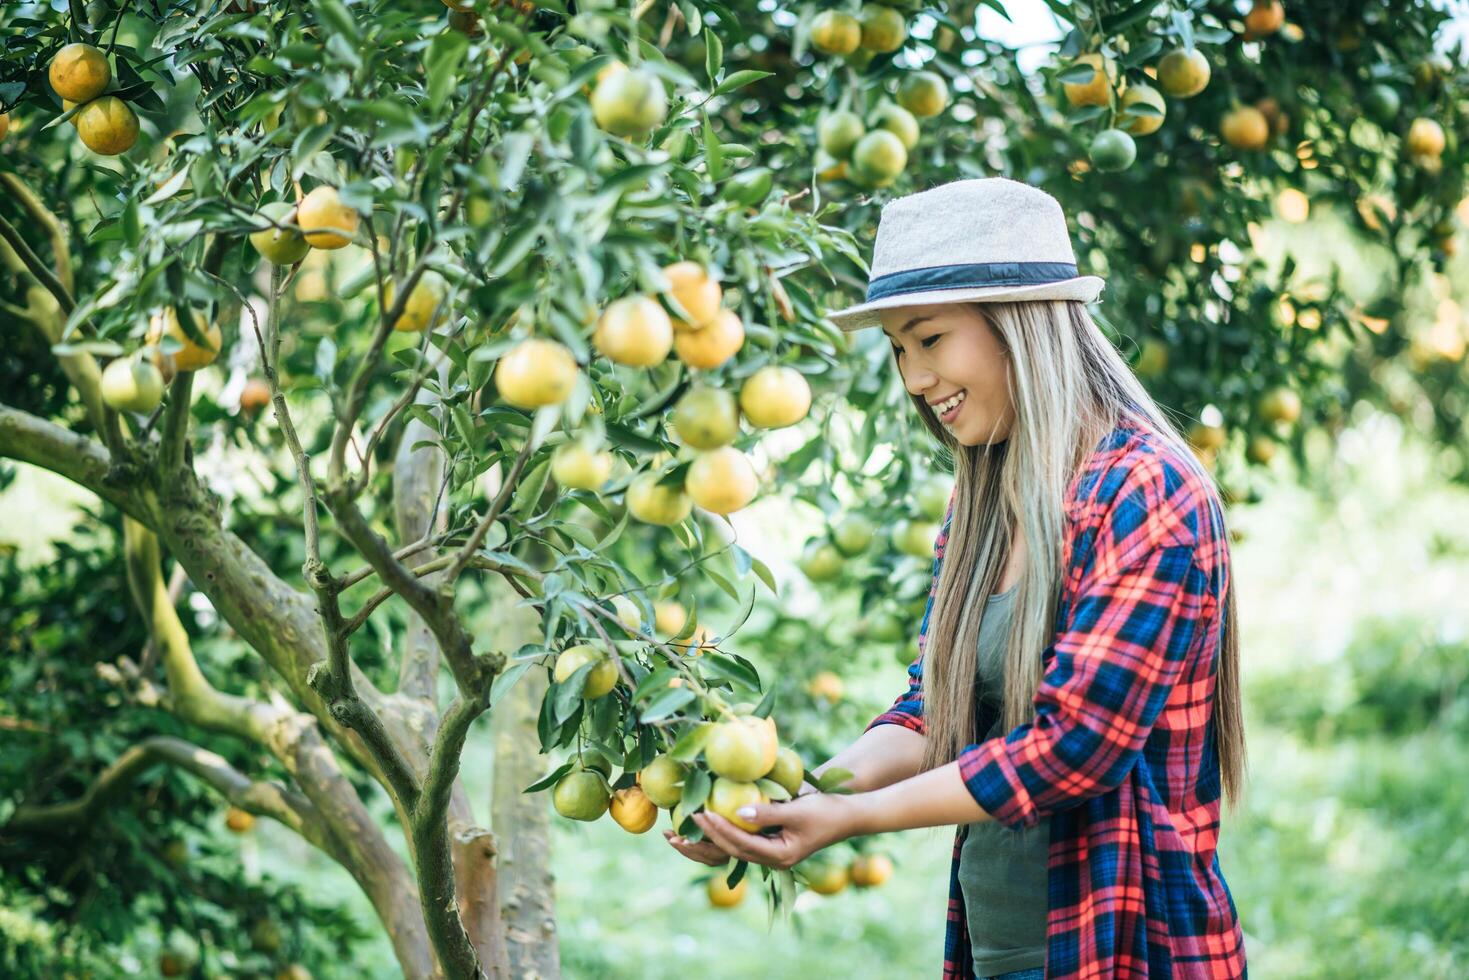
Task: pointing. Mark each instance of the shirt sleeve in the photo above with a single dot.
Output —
(1127, 637)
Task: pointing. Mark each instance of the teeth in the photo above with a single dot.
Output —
(944, 407)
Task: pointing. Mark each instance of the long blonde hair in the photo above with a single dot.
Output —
(1070, 387)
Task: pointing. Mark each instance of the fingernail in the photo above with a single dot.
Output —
(746, 813)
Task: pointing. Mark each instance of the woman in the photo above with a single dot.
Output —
(1074, 708)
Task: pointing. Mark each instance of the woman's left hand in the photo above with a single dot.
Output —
(807, 824)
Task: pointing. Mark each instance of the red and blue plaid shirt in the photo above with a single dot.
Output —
(1120, 753)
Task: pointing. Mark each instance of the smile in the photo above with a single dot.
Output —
(948, 409)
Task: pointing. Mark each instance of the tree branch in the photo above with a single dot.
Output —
(268, 799)
(496, 507)
(42, 215)
(36, 267)
(34, 440)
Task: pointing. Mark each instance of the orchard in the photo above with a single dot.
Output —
(373, 326)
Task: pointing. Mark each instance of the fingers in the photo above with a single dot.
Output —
(772, 852)
(704, 852)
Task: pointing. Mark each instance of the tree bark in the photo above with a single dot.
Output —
(527, 887)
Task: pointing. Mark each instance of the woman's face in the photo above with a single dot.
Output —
(949, 350)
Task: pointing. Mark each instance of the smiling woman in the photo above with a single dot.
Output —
(1077, 678)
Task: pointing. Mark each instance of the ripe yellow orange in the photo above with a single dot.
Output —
(826, 877)
(835, 32)
(871, 870)
(536, 372)
(707, 417)
(662, 780)
(826, 686)
(1261, 450)
(629, 103)
(190, 355)
(582, 794)
(601, 679)
(878, 158)
(884, 29)
(653, 503)
(1141, 124)
(923, 93)
(1096, 90)
(326, 222)
(239, 821)
(711, 346)
(424, 302)
(1264, 19)
(740, 750)
(726, 796)
(1184, 72)
(669, 617)
(108, 126)
(279, 246)
(722, 480)
(696, 291)
(635, 331)
(628, 613)
(633, 810)
(132, 384)
(775, 396)
(579, 466)
(254, 396)
(1209, 438)
(1425, 137)
(1245, 128)
(5, 124)
(721, 896)
(1280, 405)
(79, 72)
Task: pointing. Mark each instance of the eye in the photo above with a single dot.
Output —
(930, 341)
(897, 351)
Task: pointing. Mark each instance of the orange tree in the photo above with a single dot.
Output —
(524, 285)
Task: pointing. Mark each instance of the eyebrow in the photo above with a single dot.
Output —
(912, 323)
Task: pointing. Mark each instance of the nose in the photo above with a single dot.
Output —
(918, 378)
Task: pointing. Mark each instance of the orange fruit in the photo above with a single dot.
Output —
(582, 794)
(694, 290)
(254, 396)
(79, 72)
(1425, 137)
(1184, 72)
(5, 124)
(923, 93)
(838, 132)
(1112, 150)
(108, 126)
(669, 617)
(635, 331)
(826, 686)
(711, 346)
(1261, 450)
(239, 821)
(279, 246)
(1096, 90)
(1280, 405)
(884, 29)
(132, 384)
(579, 466)
(835, 32)
(707, 417)
(721, 895)
(1264, 19)
(789, 772)
(423, 305)
(536, 372)
(323, 218)
(821, 562)
(1245, 128)
(629, 103)
(726, 796)
(662, 780)
(190, 355)
(878, 158)
(898, 121)
(722, 480)
(739, 750)
(601, 679)
(826, 877)
(871, 870)
(1136, 123)
(653, 503)
(633, 810)
(1209, 438)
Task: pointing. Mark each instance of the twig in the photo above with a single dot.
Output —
(36, 267)
(501, 498)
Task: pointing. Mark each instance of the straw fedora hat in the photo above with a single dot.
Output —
(986, 239)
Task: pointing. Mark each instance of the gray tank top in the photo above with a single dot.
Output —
(1002, 872)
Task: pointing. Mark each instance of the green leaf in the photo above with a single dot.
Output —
(528, 494)
(550, 778)
(713, 55)
(442, 63)
(773, 790)
(506, 680)
(713, 158)
(763, 571)
(335, 15)
(695, 790)
(833, 781)
(666, 704)
(740, 79)
(691, 743)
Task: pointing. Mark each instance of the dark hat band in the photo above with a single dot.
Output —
(969, 276)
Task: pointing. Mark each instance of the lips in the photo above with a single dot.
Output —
(948, 409)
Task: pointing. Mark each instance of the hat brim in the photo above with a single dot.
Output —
(1084, 288)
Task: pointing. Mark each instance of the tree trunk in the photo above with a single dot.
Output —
(527, 887)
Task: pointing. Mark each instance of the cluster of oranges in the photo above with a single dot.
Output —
(80, 74)
(872, 152)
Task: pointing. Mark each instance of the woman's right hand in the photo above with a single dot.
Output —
(706, 851)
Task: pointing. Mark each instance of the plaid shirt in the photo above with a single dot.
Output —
(1120, 753)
